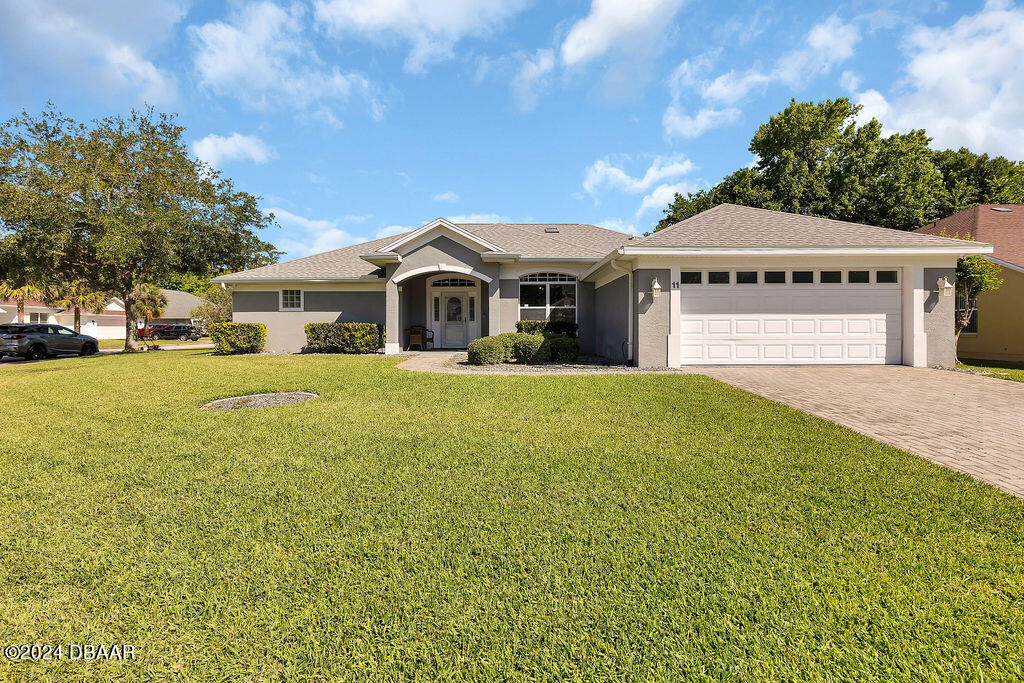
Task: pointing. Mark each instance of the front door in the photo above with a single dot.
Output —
(455, 320)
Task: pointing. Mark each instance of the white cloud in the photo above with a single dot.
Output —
(630, 33)
(662, 195)
(849, 81)
(619, 224)
(678, 124)
(616, 24)
(98, 46)
(216, 149)
(391, 231)
(261, 56)
(826, 45)
(448, 196)
(479, 218)
(531, 76)
(433, 27)
(311, 235)
(964, 84)
(603, 174)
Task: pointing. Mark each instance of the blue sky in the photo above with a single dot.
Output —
(357, 119)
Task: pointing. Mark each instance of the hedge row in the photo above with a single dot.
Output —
(344, 337)
(234, 338)
(565, 327)
(526, 349)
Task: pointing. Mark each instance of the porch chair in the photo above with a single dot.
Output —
(421, 337)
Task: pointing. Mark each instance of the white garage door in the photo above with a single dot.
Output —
(790, 317)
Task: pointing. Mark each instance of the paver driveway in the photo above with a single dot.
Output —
(968, 423)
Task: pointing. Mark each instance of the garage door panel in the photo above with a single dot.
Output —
(797, 324)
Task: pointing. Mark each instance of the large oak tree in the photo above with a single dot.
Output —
(118, 203)
(816, 159)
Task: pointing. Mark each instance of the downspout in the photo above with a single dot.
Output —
(629, 307)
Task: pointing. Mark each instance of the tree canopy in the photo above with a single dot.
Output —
(816, 159)
(119, 203)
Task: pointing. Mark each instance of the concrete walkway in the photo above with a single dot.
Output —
(968, 423)
(428, 361)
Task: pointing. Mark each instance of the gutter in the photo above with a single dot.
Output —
(629, 307)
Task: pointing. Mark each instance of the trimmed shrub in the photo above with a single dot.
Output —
(486, 351)
(565, 327)
(344, 337)
(564, 349)
(508, 342)
(531, 349)
(234, 338)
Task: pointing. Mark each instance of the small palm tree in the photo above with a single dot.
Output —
(149, 304)
(19, 295)
(76, 296)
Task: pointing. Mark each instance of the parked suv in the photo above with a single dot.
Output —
(181, 332)
(35, 341)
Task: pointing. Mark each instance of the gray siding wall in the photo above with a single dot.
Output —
(651, 317)
(509, 294)
(585, 316)
(938, 319)
(286, 329)
(611, 313)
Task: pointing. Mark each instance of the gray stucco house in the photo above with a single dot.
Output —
(732, 285)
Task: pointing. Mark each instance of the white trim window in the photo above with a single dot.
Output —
(547, 296)
(291, 300)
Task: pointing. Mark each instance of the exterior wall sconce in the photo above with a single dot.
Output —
(945, 286)
(655, 288)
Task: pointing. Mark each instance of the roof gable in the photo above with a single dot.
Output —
(441, 226)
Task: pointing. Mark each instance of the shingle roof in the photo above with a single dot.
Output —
(1001, 225)
(728, 226)
(529, 240)
(180, 304)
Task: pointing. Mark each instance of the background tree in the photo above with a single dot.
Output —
(19, 294)
(121, 203)
(975, 275)
(77, 296)
(217, 308)
(816, 159)
(185, 282)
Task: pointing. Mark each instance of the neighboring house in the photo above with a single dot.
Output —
(109, 324)
(996, 331)
(178, 310)
(732, 285)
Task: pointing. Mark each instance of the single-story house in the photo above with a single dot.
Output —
(731, 285)
(996, 331)
(108, 324)
(178, 310)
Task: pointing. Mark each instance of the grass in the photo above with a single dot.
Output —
(119, 343)
(460, 527)
(1000, 369)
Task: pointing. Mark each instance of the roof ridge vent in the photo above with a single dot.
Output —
(550, 228)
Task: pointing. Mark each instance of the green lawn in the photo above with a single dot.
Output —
(997, 369)
(424, 526)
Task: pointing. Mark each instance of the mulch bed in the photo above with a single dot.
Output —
(260, 400)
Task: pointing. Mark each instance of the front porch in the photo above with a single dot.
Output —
(453, 305)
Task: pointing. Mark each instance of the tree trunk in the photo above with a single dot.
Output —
(21, 312)
(956, 346)
(78, 320)
(131, 326)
